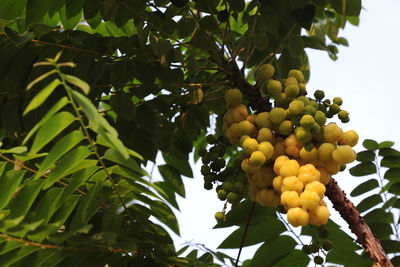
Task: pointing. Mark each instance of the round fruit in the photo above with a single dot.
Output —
(327, 245)
(309, 156)
(333, 133)
(296, 74)
(319, 216)
(309, 200)
(265, 72)
(317, 187)
(265, 197)
(245, 128)
(306, 249)
(350, 138)
(292, 183)
(334, 109)
(233, 97)
(292, 90)
(257, 158)
(323, 232)
(296, 107)
(318, 260)
(267, 149)
(319, 95)
(289, 168)
(320, 118)
(307, 121)
(222, 194)
(265, 134)
(263, 120)
(279, 161)
(290, 199)
(297, 216)
(286, 127)
(250, 145)
(325, 151)
(232, 198)
(338, 101)
(274, 87)
(344, 154)
(219, 216)
(277, 115)
(303, 135)
(310, 110)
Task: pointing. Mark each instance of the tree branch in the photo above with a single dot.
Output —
(357, 224)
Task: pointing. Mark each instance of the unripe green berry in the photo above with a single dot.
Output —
(208, 186)
(232, 198)
(306, 249)
(338, 101)
(239, 187)
(304, 99)
(228, 187)
(205, 169)
(286, 127)
(334, 108)
(318, 260)
(211, 139)
(323, 232)
(205, 159)
(292, 90)
(296, 107)
(220, 216)
(327, 245)
(342, 167)
(320, 117)
(343, 114)
(319, 95)
(202, 151)
(222, 194)
(309, 146)
(314, 248)
(310, 110)
(274, 87)
(296, 74)
(307, 121)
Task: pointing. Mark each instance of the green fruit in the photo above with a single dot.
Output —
(309, 146)
(205, 159)
(245, 128)
(228, 187)
(327, 245)
(274, 87)
(214, 166)
(286, 127)
(292, 90)
(265, 72)
(310, 110)
(232, 198)
(233, 97)
(338, 101)
(302, 88)
(211, 139)
(291, 80)
(314, 248)
(343, 115)
(220, 216)
(323, 232)
(304, 99)
(202, 151)
(303, 135)
(334, 108)
(321, 107)
(295, 119)
(318, 260)
(306, 249)
(315, 129)
(277, 115)
(222, 194)
(320, 117)
(282, 100)
(205, 169)
(314, 104)
(319, 95)
(213, 156)
(239, 187)
(307, 121)
(327, 102)
(296, 74)
(296, 107)
(208, 186)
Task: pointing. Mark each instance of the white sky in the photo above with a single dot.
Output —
(365, 76)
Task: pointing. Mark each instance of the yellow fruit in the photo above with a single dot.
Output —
(233, 97)
(250, 145)
(263, 120)
(296, 107)
(257, 158)
(286, 127)
(247, 168)
(232, 134)
(197, 96)
(309, 200)
(308, 173)
(293, 146)
(264, 73)
(282, 100)
(292, 90)
(303, 135)
(279, 149)
(241, 140)
(332, 133)
(309, 156)
(289, 168)
(302, 88)
(319, 216)
(253, 190)
(324, 176)
(267, 149)
(350, 138)
(279, 162)
(277, 183)
(290, 199)
(265, 134)
(291, 80)
(325, 151)
(317, 187)
(307, 121)
(277, 115)
(264, 177)
(292, 183)
(320, 118)
(252, 118)
(343, 154)
(265, 197)
(296, 74)
(274, 87)
(332, 167)
(239, 113)
(246, 128)
(297, 216)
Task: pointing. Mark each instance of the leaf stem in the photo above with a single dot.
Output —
(245, 232)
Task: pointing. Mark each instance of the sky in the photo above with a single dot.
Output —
(364, 76)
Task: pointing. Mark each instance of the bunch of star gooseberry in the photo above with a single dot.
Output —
(288, 153)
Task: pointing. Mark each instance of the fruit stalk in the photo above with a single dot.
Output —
(357, 224)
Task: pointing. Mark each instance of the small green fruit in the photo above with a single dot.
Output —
(233, 97)
(277, 115)
(292, 90)
(338, 101)
(318, 260)
(296, 74)
(265, 72)
(222, 194)
(274, 87)
(319, 95)
(220, 216)
(307, 121)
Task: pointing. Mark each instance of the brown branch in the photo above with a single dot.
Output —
(245, 232)
(357, 224)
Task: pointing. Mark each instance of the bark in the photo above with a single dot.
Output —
(357, 224)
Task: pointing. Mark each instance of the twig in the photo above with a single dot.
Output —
(245, 232)
(357, 224)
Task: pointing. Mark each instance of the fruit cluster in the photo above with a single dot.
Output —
(290, 152)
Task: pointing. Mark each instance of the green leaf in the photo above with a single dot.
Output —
(63, 145)
(377, 215)
(363, 169)
(25, 198)
(365, 187)
(129, 163)
(347, 7)
(391, 162)
(41, 96)
(295, 258)
(59, 105)
(48, 204)
(38, 79)
(122, 104)
(172, 177)
(16, 255)
(65, 210)
(50, 129)
(18, 39)
(273, 251)
(14, 150)
(68, 162)
(384, 152)
(77, 82)
(366, 156)
(347, 258)
(390, 246)
(369, 202)
(381, 230)
(9, 182)
(181, 164)
(271, 229)
(393, 174)
(385, 144)
(370, 144)
(36, 10)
